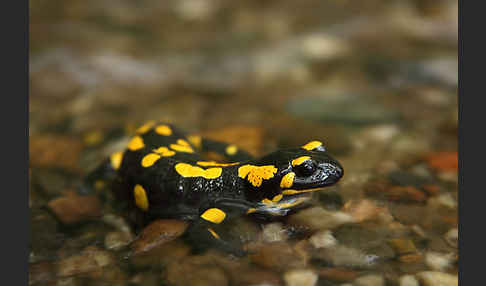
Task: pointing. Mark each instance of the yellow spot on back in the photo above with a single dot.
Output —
(164, 151)
(213, 233)
(256, 174)
(251, 210)
(214, 215)
(181, 148)
(287, 180)
(150, 159)
(136, 143)
(146, 127)
(187, 170)
(163, 130)
(215, 164)
(312, 145)
(300, 160)
(195, 140)
(116, 159)
(140, 197)
(231, 149)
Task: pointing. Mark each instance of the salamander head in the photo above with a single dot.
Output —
(288, 173)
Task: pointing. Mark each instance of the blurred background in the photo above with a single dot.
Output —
(375, 80)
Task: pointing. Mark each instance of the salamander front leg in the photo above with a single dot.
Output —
(210, 229)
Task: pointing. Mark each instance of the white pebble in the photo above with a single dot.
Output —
(438, 261)
(323, 239)
(452, 237)
(370, 280)
(435, 278)
(274, 232)
(408, 280)
(300, 277)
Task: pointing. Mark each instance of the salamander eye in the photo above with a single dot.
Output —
(306, 169)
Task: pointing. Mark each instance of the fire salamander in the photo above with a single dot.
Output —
(163, 174)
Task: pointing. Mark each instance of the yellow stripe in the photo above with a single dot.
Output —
(293, 192)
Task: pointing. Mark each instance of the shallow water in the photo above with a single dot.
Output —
(376, 81)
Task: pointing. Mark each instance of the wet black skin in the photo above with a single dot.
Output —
(171, 195)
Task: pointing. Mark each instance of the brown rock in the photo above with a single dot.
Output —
(436, 278)
(90, 260)
(163, 254)
(196, 271)
(277, 255)
(317, 218)
(73, 208)
(442, 161)
(411, 258)
(338, 274)
(254, 276)
(158, 233)
(432, 190)
(41, 272)
(54, 151)
(364, 210)
(406, 194)
(402, 246)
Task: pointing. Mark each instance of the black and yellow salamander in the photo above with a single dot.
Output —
(163, 174)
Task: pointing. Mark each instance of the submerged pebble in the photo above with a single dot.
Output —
(158, 233)
(116, 240)
(341, 255)
(452, 237)
(300, 277)
(439, 261)
(90, 260)
(370, 280)
(436, 278)
(277, 255)
(323, 239)
(408, 280)
(73, 208)
(274, 232)
(317, 218)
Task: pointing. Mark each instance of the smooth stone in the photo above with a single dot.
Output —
(370, 280)
(300, 277)
(436, 278)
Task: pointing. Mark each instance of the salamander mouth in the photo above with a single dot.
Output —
(286, 203)
(327, 175)
(289, 193)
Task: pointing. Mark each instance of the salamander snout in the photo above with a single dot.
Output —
(329, 173)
